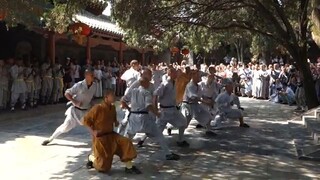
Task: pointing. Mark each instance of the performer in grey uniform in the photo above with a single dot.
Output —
(210, 90)
(225, 102)
(4, 85)
(190, 106)
(29, 74)
(140, 120)
(80, 95)
(166, 94)
(147, 74)
(19, 88)
(47, 83)
(58, 74)
(37, 84)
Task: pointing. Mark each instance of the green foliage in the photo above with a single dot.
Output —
(55, 15)
(202, 23)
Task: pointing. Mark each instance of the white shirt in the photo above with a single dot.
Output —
(81, 92)
(130, 76)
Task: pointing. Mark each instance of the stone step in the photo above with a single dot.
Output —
(313, 126)
(306, 147)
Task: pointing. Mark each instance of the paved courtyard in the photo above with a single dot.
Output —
(265, 151)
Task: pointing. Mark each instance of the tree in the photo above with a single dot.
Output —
(54, 15)
(284, 21)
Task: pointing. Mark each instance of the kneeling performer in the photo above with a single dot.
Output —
(106, 143)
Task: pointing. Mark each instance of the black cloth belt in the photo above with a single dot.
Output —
(206, 97)
(80, 108)
(188, 102)
(161, 106)
(139, 112)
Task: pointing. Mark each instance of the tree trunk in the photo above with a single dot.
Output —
(241, 52)
(236, 44)
(308, 83)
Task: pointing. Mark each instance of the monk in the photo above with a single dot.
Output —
(101, 120)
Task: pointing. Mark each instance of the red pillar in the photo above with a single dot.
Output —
(88, 50)
(52, 47)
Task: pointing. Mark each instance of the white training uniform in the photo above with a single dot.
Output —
(29, 74)
(210, 92)
(140, 121)
(190, 107)
(19, 87)
(224, 103)
(123, 123)
(166, 93)
(47, 82)
(74, 115)
(157, 77)
(130, 76)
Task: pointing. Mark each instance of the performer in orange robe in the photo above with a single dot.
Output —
(181, 83)
(106, 143)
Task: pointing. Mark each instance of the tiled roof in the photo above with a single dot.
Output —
(98, 23)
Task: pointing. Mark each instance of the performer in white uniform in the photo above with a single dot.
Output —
(225, 102)
(190, 106)
(166, 94)
(130, 76)
(19, 87)
(80, 95)
(210, 90)
(140, 120)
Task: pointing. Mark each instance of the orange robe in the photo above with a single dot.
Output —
(102, 117)
(181, 84)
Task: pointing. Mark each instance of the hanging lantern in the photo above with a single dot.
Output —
(3, 14)
(174, 50)
(81, 28)
(185, 51)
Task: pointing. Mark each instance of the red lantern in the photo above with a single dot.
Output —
(3, 14)
(185, 51)
(174, 50)
(81, 28)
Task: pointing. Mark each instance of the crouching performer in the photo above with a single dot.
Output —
(106, 143)
(190, 106)
(225, 101)
(140, 121)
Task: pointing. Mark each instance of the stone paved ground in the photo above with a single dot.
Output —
(265, 151)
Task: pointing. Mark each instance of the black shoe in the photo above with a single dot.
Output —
(169, 131)
(183, 144)
(133, 170)
(199, 126)
(172, 156)
(89, 164)
(244, 125)
(140, 144)
(210, 133)
(46, 142)
(241, 108)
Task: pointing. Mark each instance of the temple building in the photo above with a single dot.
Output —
(104, 42)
